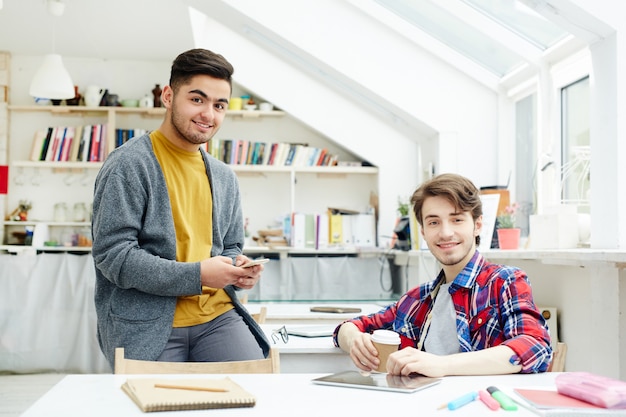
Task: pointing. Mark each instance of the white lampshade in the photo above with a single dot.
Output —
(52, 80)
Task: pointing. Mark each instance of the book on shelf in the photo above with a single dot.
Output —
(83, 146)
(245, 152)
(282, 153)
(124, 135)
(78, 134)
(46, 143)
(55, 138)
(267, 150)
(68, 139)
(94, 150)
(154, 394)
(38, 144)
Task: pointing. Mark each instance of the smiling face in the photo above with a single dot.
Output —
(449, 233)
(195, 111)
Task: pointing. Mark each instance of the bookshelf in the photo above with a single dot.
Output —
(268, 191)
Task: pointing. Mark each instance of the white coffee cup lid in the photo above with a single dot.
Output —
(387, 337)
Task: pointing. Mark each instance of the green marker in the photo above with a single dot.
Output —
(505, 401)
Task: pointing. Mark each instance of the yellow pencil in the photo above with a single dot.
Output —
(190, 388)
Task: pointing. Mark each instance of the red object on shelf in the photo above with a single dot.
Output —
(4, 179)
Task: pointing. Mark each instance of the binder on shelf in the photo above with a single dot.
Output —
(310, 237)
(346, 230)
(335, 229)
(322, 226)
(363, 229)
(298, 230)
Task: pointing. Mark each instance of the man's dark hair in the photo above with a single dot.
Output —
(199, 62)
(458, 190)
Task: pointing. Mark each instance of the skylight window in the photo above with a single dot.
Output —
(490, 33)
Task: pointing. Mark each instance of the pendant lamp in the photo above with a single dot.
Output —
(52, 80)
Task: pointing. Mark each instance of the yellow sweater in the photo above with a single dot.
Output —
(191, 200)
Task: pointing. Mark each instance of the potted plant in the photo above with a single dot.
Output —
(508, 234)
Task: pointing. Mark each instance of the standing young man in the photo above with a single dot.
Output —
(474, 318)
(168, 233)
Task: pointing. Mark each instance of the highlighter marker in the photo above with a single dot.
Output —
(461, 401)
(488, 400)
(505, 401)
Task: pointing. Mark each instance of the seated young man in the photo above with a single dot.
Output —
(474, 318)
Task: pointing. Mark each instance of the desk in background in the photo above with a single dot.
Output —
(300, 312)
(284, 395)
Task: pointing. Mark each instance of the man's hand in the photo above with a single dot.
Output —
(218, 272)
(360, 347)
(410, 360)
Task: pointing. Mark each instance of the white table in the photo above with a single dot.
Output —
(284, 395)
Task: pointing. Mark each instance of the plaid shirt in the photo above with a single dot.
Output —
(494, 305)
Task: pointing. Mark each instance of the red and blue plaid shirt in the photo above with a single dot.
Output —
(494, 305)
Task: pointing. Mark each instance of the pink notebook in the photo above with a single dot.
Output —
(545, 399)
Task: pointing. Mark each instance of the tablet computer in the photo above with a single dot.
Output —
(311, 330)
(377, 381)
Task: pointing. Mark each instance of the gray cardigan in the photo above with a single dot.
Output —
(134, 250)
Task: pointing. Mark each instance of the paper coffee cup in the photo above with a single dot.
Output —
(386, 342)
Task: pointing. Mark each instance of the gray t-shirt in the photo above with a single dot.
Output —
(442, 338)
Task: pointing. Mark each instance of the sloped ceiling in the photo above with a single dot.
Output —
(160, 29)
(347, 68)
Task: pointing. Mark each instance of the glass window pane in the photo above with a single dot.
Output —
(525, 142)
(455, 33)
(521, 20)
(575, 145)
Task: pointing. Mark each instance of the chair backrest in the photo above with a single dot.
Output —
(558, 358)
(269, 365)
(260, 316)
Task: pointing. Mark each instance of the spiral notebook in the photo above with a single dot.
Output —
(153, 394)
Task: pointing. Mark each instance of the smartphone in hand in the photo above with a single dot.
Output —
(255, 262)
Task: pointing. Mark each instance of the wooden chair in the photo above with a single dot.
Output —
(260, 316)
(269, 365)
(558, 358)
